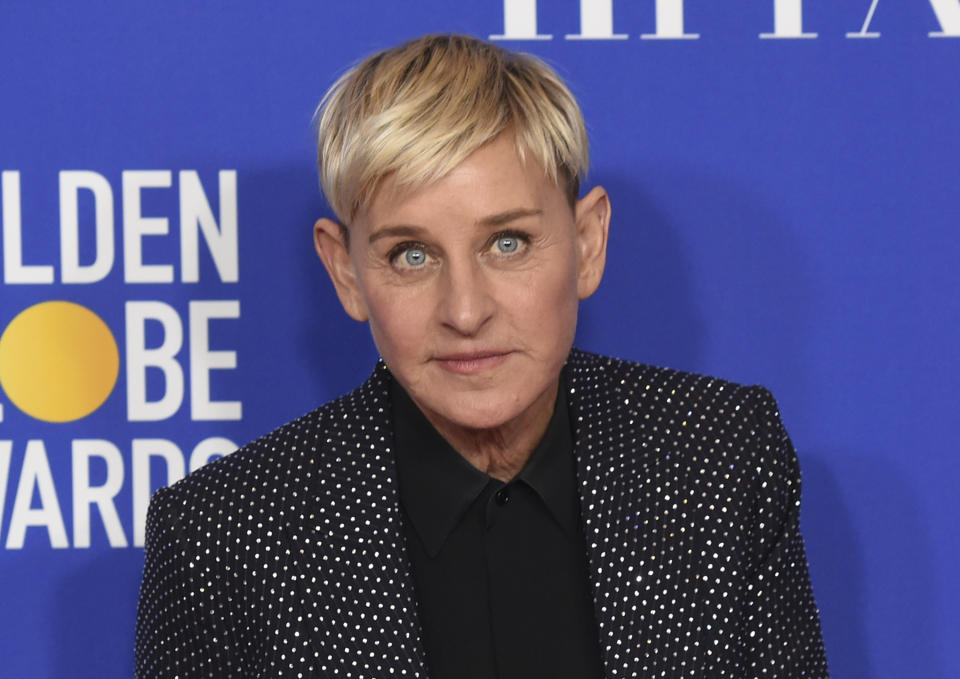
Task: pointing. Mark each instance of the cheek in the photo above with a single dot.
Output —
(397, 322)
(548, 303)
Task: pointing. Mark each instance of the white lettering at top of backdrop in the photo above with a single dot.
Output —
(596, 21)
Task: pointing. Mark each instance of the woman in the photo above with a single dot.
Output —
(491, 502)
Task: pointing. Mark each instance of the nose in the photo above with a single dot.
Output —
(466, 303)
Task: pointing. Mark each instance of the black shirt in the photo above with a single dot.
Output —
(500, 569)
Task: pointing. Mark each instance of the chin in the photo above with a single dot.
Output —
(470, 416)
(485, 411)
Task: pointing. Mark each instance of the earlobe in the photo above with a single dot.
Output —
(331, 246)
(592, 214)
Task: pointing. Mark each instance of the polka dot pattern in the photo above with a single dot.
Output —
(286, 558)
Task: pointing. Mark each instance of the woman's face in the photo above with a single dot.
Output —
(471, 285)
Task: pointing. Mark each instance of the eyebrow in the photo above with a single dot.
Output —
(502, 218)
(498, 219)
(398, 230)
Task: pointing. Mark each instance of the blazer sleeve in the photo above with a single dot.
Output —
(781, 635)
(179, 633)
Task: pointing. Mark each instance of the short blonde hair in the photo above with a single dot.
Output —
(417, 110)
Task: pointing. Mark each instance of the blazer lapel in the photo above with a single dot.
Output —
(629, 486)
(615, 469)
(348, 552)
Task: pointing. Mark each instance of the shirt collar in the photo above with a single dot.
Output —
(437, 485)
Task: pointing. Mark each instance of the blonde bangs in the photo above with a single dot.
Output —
(418, 110)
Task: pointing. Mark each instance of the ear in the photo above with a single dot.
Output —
(592, 216)
(328, 239)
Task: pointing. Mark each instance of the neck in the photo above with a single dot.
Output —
(502, 451)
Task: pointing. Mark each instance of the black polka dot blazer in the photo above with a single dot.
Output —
(287, 558)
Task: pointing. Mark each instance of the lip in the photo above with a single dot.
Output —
(471, 363)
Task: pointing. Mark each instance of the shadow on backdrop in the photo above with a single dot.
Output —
(101, 591)
(877, 602)
(647, 281)
(330, 353)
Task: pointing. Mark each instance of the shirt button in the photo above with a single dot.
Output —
(502, 496)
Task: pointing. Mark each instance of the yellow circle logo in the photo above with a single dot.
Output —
(58, 361)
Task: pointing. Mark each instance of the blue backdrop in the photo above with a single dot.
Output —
(784, 177)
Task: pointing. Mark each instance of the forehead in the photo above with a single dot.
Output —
(491, 180)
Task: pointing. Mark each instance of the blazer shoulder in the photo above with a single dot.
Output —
(676, 399)
(281, 462)
(617, 374)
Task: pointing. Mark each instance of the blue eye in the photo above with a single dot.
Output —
(414, 256)
(507, 244)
